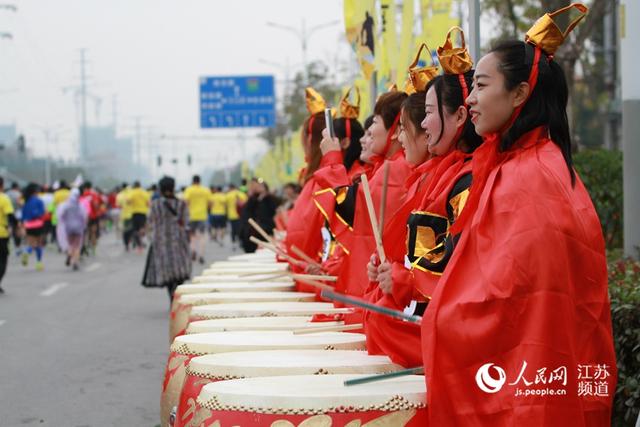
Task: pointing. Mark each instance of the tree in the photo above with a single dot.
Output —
(582, 52)
(294, 109)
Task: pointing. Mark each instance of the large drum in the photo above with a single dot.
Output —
(284, 323)
(266, 309)
(224, 366)
(186, 347)
(180, 316)
(312, 400)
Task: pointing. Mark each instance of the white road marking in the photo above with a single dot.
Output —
(53, 289)
(2, 322)
(93, 267)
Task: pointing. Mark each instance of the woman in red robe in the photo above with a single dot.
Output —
(305, 221)
(518, 330)
(383, 146)
(417, 242)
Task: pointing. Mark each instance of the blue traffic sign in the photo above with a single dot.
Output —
(237, 101)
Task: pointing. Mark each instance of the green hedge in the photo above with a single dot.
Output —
(601, 172)
(624, 291)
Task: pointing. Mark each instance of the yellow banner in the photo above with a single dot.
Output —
(437, 18)
(360, 28)
(389, 38)
(406, 41)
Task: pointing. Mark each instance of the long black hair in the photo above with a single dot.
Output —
(352, 153)
(451, 96)
(547, 104)
(31, 189)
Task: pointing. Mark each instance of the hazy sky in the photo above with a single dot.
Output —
(150, 54)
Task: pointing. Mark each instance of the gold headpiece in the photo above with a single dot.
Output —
(420, 77)
(454, 60)
(545, 33)
(315, 101)
(348, 110)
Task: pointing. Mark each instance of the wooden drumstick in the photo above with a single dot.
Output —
(338, 328)
(315, 277)
(379, 377)
(261, 231)
(383, 197)
(372, 217)
(276, 250)
(304, 256)
(314, 283)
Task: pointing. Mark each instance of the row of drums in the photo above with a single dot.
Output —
(247, 350)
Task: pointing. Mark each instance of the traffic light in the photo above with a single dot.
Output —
(159, 161)
(189, 159)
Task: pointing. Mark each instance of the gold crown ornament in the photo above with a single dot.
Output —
(419, 77)
(546, 34)
(315, 101)
(348, 110)
(454, 60)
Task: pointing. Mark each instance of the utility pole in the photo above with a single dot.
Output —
(83, 104)
(303, 34)
(474, 29)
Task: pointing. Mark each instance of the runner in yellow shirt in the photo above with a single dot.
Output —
(139, 202)
(6, 219)
(218, 218)
(235, 200)
(198, 199)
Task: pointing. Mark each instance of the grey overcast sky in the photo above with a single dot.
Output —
(149, 53)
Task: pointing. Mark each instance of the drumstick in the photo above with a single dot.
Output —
(304, 256)
(314, 283)
(257, 273)
(338, 328)
(315, 277)
(273, 248)
(357, 302)
(260, 230)
(383, 198)
(372, 217)
(379, 377)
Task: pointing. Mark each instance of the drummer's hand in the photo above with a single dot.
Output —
(372, 268)
(314, 269)
(384, 277)
(329, 144)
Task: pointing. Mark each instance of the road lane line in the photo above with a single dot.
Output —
(93, 267)
(53, 289)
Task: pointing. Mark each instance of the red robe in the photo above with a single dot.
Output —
(305, 223)
(430, 191)
(524, 294)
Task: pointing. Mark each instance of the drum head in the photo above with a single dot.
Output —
(224, 342)
(314, 394)
(288, 362)
(238, 297)
(265, 309)
(283, 323)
